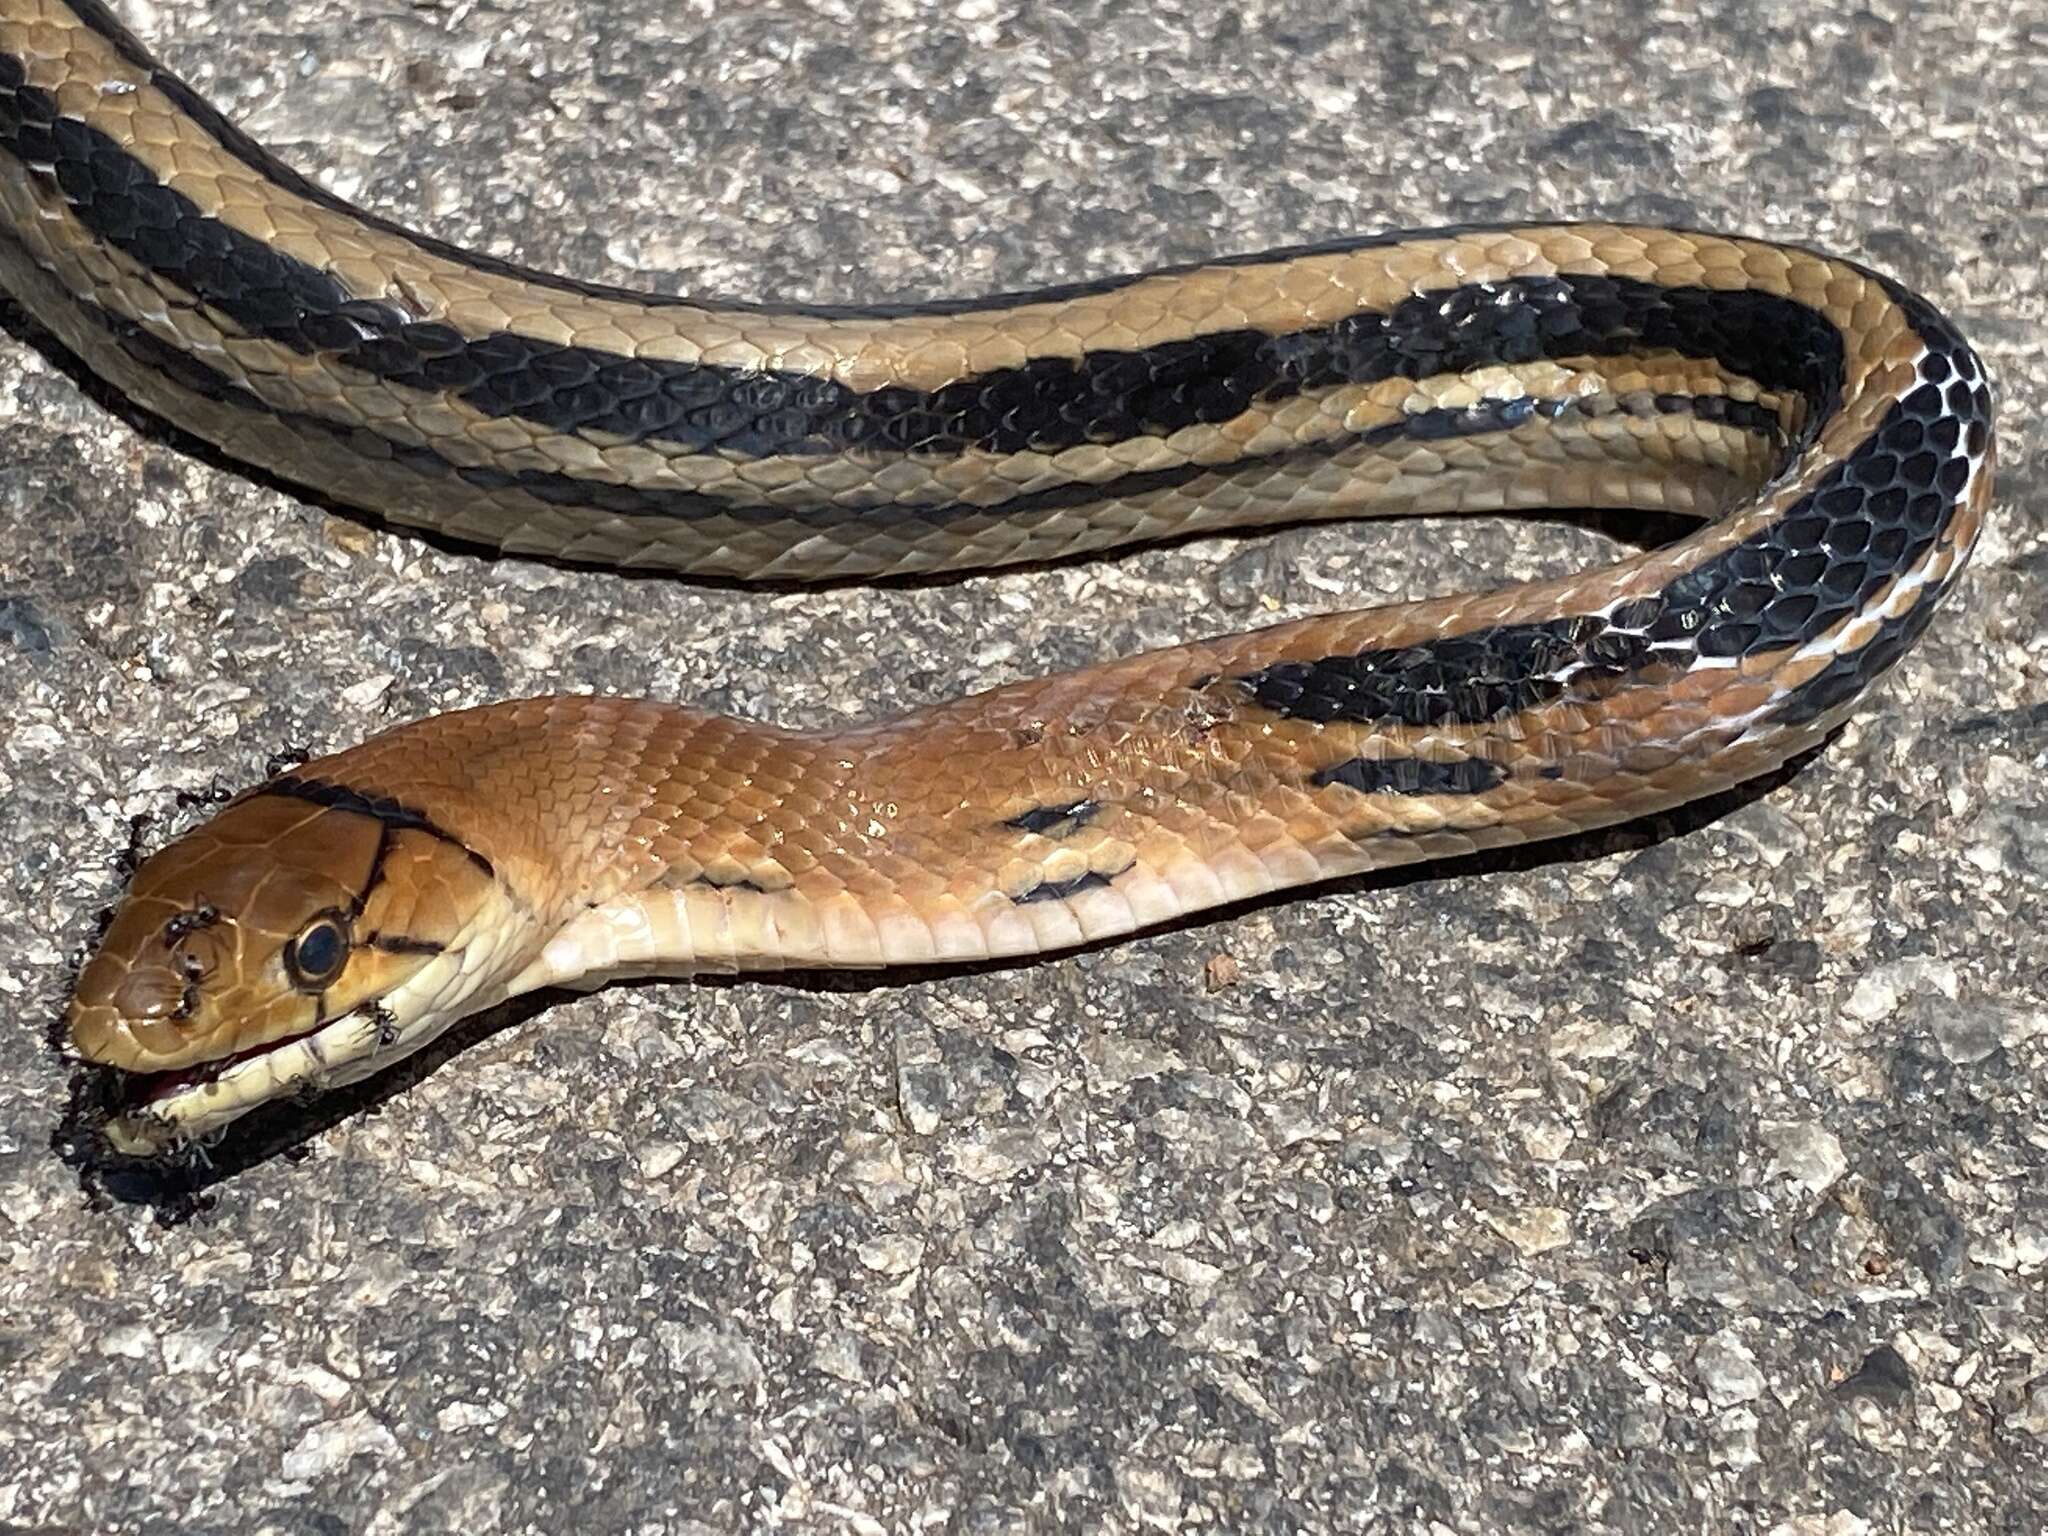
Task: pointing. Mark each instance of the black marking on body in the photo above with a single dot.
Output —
(1413, 776)
(1848, 674)
(737, 883)
(1466, 679)
(1871, 518)
(1056, 820)
(1045, 404)
(1060, 890)
(391, 813)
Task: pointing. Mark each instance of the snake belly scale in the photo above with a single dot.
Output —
(1831, 429)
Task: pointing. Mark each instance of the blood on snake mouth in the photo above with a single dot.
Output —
(144, 1090)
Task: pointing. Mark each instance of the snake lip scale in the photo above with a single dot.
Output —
(1830, 429)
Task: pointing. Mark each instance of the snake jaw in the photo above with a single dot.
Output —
(175, 1108)
(170, 1109)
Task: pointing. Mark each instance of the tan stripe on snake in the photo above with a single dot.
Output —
(1830, 427)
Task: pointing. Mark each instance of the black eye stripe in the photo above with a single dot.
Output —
(400, 944)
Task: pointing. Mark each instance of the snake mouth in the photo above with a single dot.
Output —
(148, 1114)
(141, 1090)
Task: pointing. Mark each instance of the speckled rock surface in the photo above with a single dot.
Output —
(1689, 1178)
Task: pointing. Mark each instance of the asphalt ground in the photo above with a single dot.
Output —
(1682, 1178)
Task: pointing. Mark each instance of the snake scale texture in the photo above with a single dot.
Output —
(1831, 429)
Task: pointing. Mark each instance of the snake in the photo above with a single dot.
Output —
(1829, 429)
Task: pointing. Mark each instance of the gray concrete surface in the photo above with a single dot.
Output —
(1685, 1180)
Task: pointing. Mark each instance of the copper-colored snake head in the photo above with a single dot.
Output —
(284, 943)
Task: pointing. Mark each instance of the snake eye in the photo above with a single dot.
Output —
(316, 956)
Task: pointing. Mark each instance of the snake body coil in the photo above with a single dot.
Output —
(1832, 429)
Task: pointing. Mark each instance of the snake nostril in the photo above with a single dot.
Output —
(155, 994)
